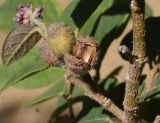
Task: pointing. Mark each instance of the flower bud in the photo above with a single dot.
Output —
(38, 12)
(25, 13)
(61, 39)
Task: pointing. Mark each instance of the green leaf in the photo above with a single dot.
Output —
(76, 93)
(95, 115)
(56, 89)
(41, 78)
(77, 12)
(109, 82)
(110, 22)
(89, 24)
(66, 15)
(109, 26)
(148, 11)
(62, 102)
(154, 91)
(29, 72)
(31, 64)
(117, 16)
(25, 67)
(157, 80)
(8, 11)
(3, 76)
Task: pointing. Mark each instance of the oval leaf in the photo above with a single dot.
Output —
(55, 90)
(89, 24)
(67, 14)
(18, 42)
(25, 68)
(41, 78)
(153, 92)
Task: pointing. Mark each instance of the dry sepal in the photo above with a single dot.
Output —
(83, 57)
(86, 49)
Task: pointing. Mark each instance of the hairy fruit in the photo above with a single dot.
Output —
(61, 39)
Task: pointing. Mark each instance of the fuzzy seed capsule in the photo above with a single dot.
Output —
(83, 57)
(86, 49)
(61, 39)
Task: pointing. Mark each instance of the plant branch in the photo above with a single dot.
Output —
(131, 91)
(86, 84)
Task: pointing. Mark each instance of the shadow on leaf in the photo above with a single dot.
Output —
(109, 87)
(115, 30)
(149, 110)
(105, 43)
(84, 9)
(112, 88)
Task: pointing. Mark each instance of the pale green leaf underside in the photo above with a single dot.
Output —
(55, 90)
(154, 91)
(28, 65)
(42, 78)
(96, 115)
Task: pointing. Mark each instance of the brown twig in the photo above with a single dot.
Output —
(131, 91)
(86, 84)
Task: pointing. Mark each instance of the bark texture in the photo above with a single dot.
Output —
(136, 64)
